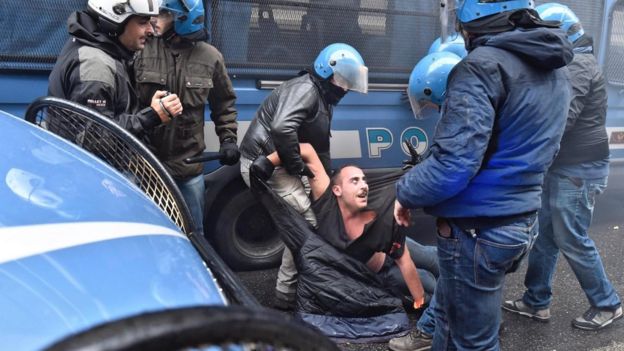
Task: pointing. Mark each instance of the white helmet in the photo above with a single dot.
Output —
(113, 14)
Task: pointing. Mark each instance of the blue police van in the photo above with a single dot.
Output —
(265, 42)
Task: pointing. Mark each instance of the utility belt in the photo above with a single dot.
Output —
(472, 225)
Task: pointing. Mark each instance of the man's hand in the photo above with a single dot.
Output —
(306, 171)
(229, 152)
(298, 169)
(262, 168)
(415, 157)
(419, 296)
(420, 302)
(401, 214)
(166, 105)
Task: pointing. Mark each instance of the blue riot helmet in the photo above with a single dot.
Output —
(427, 83)
(470, 10)
(454, 43)
(345, 65)
(570, 23)
(464, 11)
(188, 16)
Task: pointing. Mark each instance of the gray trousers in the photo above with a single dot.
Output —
(295, 191)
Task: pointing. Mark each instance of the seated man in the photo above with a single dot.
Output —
(345, 220)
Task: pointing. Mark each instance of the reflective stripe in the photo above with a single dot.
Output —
(96, 65)
(24, 241)
(345, 144)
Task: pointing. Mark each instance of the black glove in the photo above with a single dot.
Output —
(306, 171)
(294, 167)
(262, 168)
(299, 169)
(229, 152)
(416, 158)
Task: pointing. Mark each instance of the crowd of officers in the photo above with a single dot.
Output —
(520, 149)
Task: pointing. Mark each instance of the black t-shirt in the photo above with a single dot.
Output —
(379, 235)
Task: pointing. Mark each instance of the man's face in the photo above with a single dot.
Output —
(163, 22)
(136, 32)
(352, 189)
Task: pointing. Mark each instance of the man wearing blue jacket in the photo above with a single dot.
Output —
(500, 129)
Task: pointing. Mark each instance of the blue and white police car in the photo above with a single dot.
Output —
(91, 260)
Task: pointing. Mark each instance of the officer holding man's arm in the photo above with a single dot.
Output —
(300, 111)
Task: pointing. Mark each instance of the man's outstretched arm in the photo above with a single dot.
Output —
(412, 279)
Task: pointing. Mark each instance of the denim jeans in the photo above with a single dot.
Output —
(472, 272)
(426, 322)
(567, 208)
(193, 192)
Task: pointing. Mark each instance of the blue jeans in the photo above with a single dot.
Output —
(567, 208)
(193, 192)
(426, 322)
(472, 272)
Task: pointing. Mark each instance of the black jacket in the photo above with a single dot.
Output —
(296, 112)
(196, 73)
(95, 70)
(336, 293)
(585, 138)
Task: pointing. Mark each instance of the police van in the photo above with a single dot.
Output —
(265, 42)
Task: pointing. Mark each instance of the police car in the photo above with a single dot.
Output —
(91, 257)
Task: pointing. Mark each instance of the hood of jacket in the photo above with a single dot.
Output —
(86, 30)
(545, 48)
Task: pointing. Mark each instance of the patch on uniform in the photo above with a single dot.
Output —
(96, 102)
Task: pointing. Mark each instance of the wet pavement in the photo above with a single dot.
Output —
(569, 302)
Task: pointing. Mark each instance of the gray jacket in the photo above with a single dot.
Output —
(94, 70)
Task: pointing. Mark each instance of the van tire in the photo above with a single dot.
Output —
(244, 234)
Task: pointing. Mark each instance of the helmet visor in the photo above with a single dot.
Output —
(351, 75)
(448, 18)
(423, 108)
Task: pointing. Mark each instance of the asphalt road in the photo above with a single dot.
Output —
(522, 334)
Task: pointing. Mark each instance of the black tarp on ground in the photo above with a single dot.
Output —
(336, 293)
